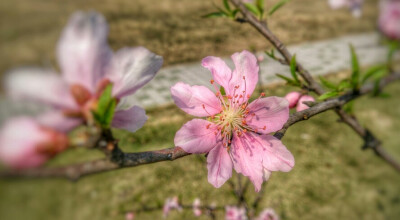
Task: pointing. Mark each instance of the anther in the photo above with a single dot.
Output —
(265, 127)
(208, 126)
(212, 81)
(262, 94)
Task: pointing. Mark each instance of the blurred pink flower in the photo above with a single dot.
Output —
(25, 144)
(293, 98)
(260, 58)
(197, 207)
(171, 204)
(235, 134)
(353, 5)
(235, 213)
(389, 18)
(129, 216)
(301, 106)
(268, 214)
(87, 65)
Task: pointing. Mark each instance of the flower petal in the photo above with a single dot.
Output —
(130, 119)
(222, 74)
(196, 136)
(58, 121)
(219, 165)
(83, 52)
(245, 75)
(271, 112)
(275, 156)
(191, 100)
(247, 158)
(19, 139)
(39, 85)
(132, 68)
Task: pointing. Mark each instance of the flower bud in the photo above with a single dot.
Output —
(293, 98)
(305, 98)
(26, 144)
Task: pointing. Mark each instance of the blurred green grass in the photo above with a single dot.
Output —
(332, 178)
(29, 30)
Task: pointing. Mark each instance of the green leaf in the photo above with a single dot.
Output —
(253, 9)
(226, 4)
(277, 6)
(270, 54)
(374, 71)
(328, 95)
(326, 83)
(215, 15)
(105, 107)
(260, 6)
(287, 79)
(355, 76)
(293, 67)
(344, 84)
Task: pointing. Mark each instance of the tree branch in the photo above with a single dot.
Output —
(74, 172)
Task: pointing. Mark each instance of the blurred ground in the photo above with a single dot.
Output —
(174, 29)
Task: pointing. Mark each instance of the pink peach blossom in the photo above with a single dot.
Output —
(129, 216)
(268, 214)
(87, 64)
(235, 133)
(25, 144)
(196, 207)
(353, 5)
(293, 98)
(305, 98)
(389, 18)
(171, 204)
(235, 213)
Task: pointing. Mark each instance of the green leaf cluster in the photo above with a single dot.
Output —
(104, 112)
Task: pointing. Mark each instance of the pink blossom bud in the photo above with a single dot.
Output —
(268, 214)
(129, 216)
(196, 207)
(293, 98)
(25, 144)
(235, 213)
(260, 58)
(305, 98)
(389, 18)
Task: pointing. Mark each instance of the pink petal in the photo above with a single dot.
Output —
(275, 156)
(132, 68)
(191, 100)
(247, 158)
(219, 165)
(130, 119)
(293, 98)
(305, 98)
(58, 121)
(222, 74)
(39, 85)
(196, 136)
(83, 52)
(19, 139)
(246, 66)
(271, 112)
(335, 4)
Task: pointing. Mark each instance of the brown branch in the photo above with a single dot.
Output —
(370, 140)
(74, 172)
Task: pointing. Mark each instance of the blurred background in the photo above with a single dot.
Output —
(332, 179)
